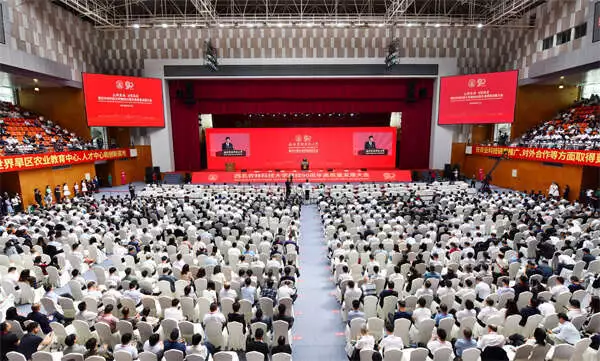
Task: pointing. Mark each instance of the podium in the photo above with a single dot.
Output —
(373, 152)
(230, 166)
(231, 153)
(304, 166)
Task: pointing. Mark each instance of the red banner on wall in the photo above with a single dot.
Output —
(123, 101)
(285, 148)
(577, 157)
(16, 163)
(316, 176)
(478, 98)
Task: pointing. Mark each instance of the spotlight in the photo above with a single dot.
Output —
(164, 25)
(437, 25)
(136, 26)
(36, 89)
(35, 80)
(479, 26)
(561, 86)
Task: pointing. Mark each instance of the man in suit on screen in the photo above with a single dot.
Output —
(370, 144)
(227, 145)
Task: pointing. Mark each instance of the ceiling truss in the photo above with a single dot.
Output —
(110, 14)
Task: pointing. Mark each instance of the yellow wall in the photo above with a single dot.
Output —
(64, 106)
(538, 103)
(135, 168)
(530, 175)
(39, 178)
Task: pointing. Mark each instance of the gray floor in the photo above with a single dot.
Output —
(318, 330)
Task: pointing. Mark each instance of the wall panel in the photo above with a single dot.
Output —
(530, 175)
(39, 178)
(64, 106)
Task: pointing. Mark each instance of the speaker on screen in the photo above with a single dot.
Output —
(330, 169)
(363, 169)
(244, 170)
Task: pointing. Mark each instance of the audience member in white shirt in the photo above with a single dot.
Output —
(438, 341)
(482, 289)
(174, 312)
(566, 332)
(492, 338)
(390, 341)
(421, 312)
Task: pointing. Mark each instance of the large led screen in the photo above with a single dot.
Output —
(478, 98)
(123, 101)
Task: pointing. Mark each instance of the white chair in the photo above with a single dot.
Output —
(214, 334)
(511, 325)
(72, 357)
(195, 357)
(419, 354)
(580, 347)
(366, 355)
(280, 329)
(562, 352)
(522, 352)
(375, 326)
(95, 358)
(173, 355)
(83, 331)
(237, 338)
(443, 354)
(122, 356)
(147, 356)
(41, 356)
(391, 355)
(471, 354)
(370, 306)
(254, 356)
(223, 356)
(15, 356)
(282, 356)
(401, 329)
(425, 328)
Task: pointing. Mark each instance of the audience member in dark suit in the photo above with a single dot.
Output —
(530, 310)
(401, 313)
(258, 344)
(9, 341)
(40, 318)
(387, 292)
(521, 286)
(281, 347)
(31, 341)
(235, 316)
(587, 257)
(282, 316)
(260, 317)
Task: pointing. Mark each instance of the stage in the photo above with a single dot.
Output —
(313, 176)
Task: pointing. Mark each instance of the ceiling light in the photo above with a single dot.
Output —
(35, 80)
(381, 25)
(136, 26)
(164, 26)
(280, 25)
(562, 77)
(36, 89)
(410, 25)
(479, 26)
(561, 86)
(437, 25)
(309, 25)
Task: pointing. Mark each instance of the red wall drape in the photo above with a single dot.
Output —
(315, 95)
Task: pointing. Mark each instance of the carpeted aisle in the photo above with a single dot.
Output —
(318, 330)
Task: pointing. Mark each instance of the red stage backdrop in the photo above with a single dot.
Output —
(478, 98)
(284, 148)
(123, 101)
(319, 176)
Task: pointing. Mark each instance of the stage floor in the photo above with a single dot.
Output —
(313, 176)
